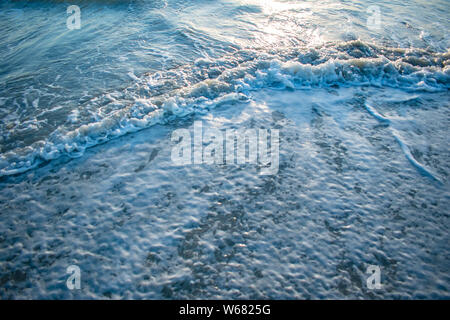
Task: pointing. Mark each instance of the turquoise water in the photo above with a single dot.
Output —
(358, 89)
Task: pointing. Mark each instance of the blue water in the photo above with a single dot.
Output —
(128, 54)
(142, 65)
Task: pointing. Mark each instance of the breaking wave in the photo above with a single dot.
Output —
(164, 96)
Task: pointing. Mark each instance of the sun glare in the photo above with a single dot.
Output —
(272, 6)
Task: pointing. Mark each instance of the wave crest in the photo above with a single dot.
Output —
(163, 96)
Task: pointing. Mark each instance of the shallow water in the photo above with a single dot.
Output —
(86, 118)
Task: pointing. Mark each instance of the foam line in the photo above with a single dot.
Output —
(424, 171)
(375, 114)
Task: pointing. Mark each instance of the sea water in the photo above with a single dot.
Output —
(358, 91)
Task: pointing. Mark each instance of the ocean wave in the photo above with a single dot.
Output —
(164, 96)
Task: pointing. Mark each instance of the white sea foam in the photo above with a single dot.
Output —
(345, 197)
(362, 112)
(238, 76)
